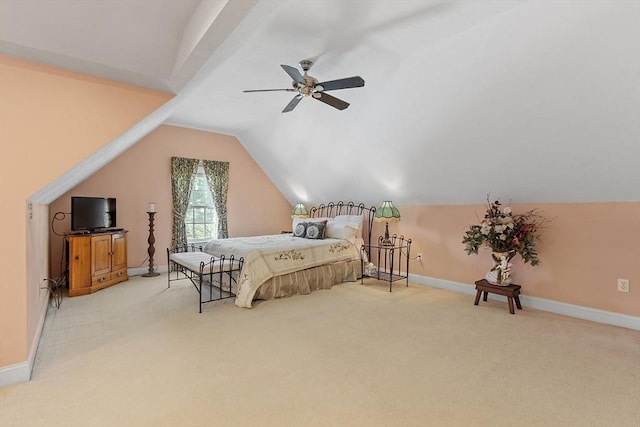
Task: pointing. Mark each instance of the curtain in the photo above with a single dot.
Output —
(182, 173)
(217, 174)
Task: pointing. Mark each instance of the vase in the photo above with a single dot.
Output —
(500, 273)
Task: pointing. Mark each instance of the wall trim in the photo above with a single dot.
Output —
(14, 374)
(36, 337)
(21, 372)
(565, 309)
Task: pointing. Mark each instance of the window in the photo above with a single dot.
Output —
(201, 220)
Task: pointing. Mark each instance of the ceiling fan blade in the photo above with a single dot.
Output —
(331, 100)
(349, 82)
(269, 90)
(293, 73)
(292, 104)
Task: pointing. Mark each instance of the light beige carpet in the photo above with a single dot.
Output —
(139, 354)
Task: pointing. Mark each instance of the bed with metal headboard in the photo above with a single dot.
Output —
(328, 252)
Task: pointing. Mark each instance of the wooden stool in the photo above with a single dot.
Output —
(511, 292)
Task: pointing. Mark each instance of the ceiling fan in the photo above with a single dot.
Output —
(307, 85)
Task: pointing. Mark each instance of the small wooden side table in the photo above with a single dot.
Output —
(511, 291)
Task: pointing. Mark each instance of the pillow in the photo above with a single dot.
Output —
(342, 230)
(297, 221)
(300, 230)
(358, 219)
(315, 230)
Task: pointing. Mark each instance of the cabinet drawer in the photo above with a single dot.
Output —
(99, 279)
(119, 274)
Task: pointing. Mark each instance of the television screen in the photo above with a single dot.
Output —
(92, 213)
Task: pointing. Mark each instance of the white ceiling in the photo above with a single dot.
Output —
(530, 101)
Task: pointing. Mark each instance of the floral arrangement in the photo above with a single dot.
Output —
(503, 231)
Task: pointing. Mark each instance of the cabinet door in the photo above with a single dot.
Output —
(100, 255)
(79, 263)
(119, 251)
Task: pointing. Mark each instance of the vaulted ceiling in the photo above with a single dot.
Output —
(526, 100)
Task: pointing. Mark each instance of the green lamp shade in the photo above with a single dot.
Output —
(387, 213)
(299, 211)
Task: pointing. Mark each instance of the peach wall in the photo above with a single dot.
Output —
(142, 174)
(50, 120)
(583, 251)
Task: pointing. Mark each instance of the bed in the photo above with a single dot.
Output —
(281, 265)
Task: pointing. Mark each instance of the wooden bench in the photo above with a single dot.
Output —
(511, 291)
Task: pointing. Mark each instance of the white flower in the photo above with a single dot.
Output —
(499, 229)
(506, 210)
(485, 229)
(503, 237)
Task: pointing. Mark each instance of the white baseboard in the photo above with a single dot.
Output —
(21, 372)
(14, 374)
(586, 313)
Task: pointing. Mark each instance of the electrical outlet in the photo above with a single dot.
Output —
(623, 285)
(419, 257)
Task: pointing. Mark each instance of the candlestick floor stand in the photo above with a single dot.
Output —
(152, 250)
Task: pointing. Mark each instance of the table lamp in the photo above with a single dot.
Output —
(299, 211)
(387, 213)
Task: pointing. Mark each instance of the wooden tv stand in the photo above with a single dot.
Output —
(96, 261)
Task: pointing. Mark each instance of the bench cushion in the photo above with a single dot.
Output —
(192, 260)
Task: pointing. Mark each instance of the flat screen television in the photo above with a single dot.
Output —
(92, 213)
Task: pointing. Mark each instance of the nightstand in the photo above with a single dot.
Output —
(393, 260)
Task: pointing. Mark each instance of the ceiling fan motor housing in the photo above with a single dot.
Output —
(310, 85)
(306, 64)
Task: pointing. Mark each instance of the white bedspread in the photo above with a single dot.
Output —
(274, 255)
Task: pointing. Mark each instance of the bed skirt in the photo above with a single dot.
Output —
(306, 281)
